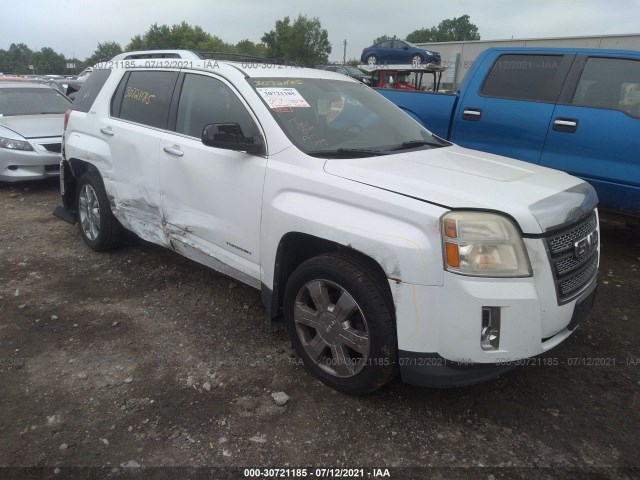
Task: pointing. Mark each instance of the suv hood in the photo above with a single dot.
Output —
(456, 177)
(35, 126)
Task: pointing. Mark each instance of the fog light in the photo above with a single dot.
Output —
(490, 331)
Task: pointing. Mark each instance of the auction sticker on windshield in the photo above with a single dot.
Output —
(278, 98)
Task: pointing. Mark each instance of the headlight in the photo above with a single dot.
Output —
(12, 144)
(482, 244)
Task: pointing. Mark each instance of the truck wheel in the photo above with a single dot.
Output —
(341, 323)
(100, 230)
(372, 60)
(416, 60)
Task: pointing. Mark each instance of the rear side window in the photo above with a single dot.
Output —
(144, 97)
(611, 83)
(525, 77)
(89, 91)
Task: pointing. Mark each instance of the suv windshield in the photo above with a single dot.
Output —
(342, 118)
(32, 101)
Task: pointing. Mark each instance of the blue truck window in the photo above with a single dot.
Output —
(525, 77)
(611, 83)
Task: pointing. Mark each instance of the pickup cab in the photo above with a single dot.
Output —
(381, 247)
(575, 110)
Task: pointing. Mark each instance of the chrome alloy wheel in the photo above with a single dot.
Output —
(332, 328)
(89, 212)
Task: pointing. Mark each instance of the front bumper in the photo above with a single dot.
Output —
(43, 162)
(435, 371)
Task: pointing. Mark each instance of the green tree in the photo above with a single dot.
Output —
(105, 51)
(247, 47)
(17, 58)
(179, 36)
(382, 38)
(304, 41)
(47, 61)
(449, 30)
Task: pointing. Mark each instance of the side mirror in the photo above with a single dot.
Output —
(405, 48)
(230, 137)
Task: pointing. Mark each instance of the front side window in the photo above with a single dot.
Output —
(32, 101)
(205, 100)
(340, 117)
(525, 77)
(611, 83)
(145, 97)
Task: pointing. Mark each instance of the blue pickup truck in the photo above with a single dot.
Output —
(576, 110)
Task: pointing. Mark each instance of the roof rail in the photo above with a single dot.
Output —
(240, 57)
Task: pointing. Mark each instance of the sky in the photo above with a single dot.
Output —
(74, 27)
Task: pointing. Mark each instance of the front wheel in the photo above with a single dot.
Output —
(416, 60)
(100, 230)
(340, 320)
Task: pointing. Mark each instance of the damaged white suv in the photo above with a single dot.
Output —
(383, 248)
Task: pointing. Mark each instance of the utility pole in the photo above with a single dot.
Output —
(344, 55)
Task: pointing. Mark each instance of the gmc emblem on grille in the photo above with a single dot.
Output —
(585, 245)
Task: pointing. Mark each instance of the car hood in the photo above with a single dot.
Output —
(538, 198)
(35, 126)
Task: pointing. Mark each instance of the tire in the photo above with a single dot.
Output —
(354, 350)
(100, 230)
(372, 60)
(416, 60)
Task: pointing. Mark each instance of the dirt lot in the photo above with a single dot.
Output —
(141, 357)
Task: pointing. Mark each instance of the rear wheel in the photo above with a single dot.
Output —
(100, 230)
(372, 60)
(340, 321)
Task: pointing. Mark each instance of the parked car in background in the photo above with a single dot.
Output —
(31, 124)
(398, 52)
(349, 71)
(67, 87)
(577, 110)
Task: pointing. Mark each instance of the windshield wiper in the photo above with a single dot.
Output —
(348, 152)
(415, 144)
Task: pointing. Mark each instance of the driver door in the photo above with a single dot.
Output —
(212, 197)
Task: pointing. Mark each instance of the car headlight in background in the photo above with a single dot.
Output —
(483, 244)
(13, 144)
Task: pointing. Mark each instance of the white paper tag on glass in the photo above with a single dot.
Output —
(279, 98)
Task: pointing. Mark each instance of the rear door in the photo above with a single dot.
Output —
(507, 106)
(139, 113)
(595, 132)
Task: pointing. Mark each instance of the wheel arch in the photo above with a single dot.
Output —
(294, 249)
(73, 169)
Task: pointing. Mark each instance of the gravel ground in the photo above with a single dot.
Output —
(140, 357)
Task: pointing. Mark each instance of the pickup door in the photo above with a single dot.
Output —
(595, 130)
(508, 103)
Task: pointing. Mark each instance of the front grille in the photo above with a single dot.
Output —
(574, 257)
(53, 147)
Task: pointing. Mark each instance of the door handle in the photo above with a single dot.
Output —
(107, 131)
(472, 114)
(174, 150)
(565, 125)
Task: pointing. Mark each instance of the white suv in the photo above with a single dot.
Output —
(382, 247)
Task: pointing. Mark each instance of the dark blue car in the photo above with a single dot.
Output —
(398, 51)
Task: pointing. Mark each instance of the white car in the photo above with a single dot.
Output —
(31, 124)
(382, 247)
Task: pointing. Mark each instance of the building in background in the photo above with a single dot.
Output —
(459, 56)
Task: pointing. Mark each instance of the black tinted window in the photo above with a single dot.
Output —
(525, 77)
(146, 97)
(205, 100)
(612, 83)
(92, 86)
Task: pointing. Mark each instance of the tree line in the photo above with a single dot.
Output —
(301, 40)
